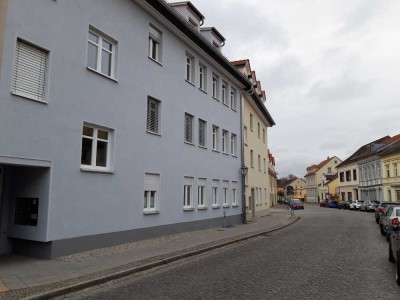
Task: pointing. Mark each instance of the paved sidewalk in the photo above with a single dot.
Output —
(32, 278)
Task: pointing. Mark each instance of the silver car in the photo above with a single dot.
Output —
(385, 222)
(394, 247)
(356, 205)
(369, 205)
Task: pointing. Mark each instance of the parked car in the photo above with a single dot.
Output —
(334, 204)
(381, 207)
(394, 247)
(369, 205)
(385, 222)
(356, 204)
(346, 204)
(296, 204)
(323, 203)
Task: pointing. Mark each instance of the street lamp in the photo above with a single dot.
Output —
(244, 170)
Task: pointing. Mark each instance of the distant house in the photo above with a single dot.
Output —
(317, 178)
(299, 188)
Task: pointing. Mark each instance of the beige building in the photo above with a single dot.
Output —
(256, 120)
(317, 178)
(299, 188)
(390, 159)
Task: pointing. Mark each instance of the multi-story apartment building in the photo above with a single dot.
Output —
(318, 176)
(390, 159)
(256, 120)
(272, 179)
(120, 120)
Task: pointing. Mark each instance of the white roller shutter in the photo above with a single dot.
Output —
(151, 182)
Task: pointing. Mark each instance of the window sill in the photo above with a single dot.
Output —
(215, 151)
(227, 105)
(235, 205)
(151, 212)
(29, 98)
(234, 155)
(202, 208)
(188, 209)
(191, 83)
(203, 147)
(225, 153)
(156, 61)
(154, 133)
(216, 206)
(226, 206)
(101, 74)
(204, 91)
(189, 143)
(94, 170)
(215, 98)
(234, 109)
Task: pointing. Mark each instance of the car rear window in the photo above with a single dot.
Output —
(398, 212)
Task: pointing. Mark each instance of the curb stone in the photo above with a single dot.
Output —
(57, 292)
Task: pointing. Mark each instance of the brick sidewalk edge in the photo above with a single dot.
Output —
(129, 271)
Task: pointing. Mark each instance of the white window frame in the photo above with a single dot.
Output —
(153, 116)
(202, 193)
(95, 140)
(188, 193)
(30, 71)
(234, 194)
(215, 193)
(215, 138)
(155, 44)
(202, 133)
(265, 165)
(233, 99)
(202, 77)
(102, 39)
(259, 162)
(225, 136)
(225, 196)
(233, 144)
(264, 135)
(188, 128)
(258, 130)
(245, 134)
(251, 159)
(224, 93)
(189, 68)
(215, 86)
(251, 122)
(151, 185)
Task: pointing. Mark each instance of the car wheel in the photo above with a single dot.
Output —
(398, 268)
(382, 231)
(377, 221)
(387, 237)
(391, 257)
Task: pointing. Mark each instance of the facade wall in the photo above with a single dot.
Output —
(370, 182)
(256, 159)
(81, 202)
(311, 189)
(391, 177)
(348, 176)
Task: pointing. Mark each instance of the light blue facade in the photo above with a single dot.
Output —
(40, 148)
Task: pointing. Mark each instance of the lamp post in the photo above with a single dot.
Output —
(244, 171)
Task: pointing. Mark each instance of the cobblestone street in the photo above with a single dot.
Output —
(328, 254)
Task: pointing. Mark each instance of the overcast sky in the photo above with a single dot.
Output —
(331, 71)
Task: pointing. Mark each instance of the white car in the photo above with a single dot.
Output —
(356, 205)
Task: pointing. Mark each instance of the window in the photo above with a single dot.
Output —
(201, 193)
(153, 115)
(259, 163)
(389, 195)
(188, 193)
(215, 136)
(151, 185)
(258, 130)
(225, 135)
(245, 134)
(202, 77)
(234, 193)
(225, 194)
(233, 99)
(354, 174)
(155, 43)
(395, 169)
(341, 176)
(189, 68)
(224, 91)
(95, 147)
(264, 135)
(188, 128)
(30, 67)
(202, 133)
(265, 166)
(251, 122)
(329, 170)
(215, 198)
(233, 144)
(193, 23)
(348, 175)
(251, 159)
(387, 171)
(349, 196)
(101, 54)
(215, 86)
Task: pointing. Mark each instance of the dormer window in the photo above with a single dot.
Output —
(216, 45)
(193, 23)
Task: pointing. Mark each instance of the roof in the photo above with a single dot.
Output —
(392, 148)
(215, 31)
(319, 166)
(191, 6)
(369, 149)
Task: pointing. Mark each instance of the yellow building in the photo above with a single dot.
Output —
(299, 188)
(390, 161)
(256, 120)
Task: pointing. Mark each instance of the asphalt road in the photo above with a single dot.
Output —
(328, 254)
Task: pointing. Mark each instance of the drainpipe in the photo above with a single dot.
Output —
(244, 221)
